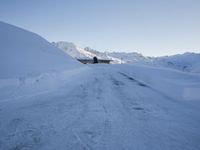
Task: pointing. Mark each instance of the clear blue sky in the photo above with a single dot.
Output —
(150, 27)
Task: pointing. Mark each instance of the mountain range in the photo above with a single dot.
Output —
(187, 62)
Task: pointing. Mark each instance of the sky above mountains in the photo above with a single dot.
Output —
(153, 28)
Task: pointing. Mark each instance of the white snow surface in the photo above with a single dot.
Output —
(187, 62)
(103, 107)
(23, 53)
(48, 101)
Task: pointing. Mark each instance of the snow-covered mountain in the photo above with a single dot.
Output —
(188, 62)
(25, 53)
(84, 53)
(73, 50)
(87, 52)
(131, 57)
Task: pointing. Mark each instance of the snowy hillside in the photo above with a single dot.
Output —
(73, 50)
(78, 52)
(131, 57)
(87, 52)
(187, 62)
(23, 53)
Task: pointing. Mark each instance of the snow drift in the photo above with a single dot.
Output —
(23, 53)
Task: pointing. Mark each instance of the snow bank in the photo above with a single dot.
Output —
(174, 84)
(23, 54)
(16, 88)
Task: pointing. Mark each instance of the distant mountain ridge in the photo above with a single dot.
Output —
(83, 53)
(187, 62)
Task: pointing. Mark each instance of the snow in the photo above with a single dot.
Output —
(187, 62)
(83, 53)
(129, 57)
(23, 53)
(105, 107)
(101, 107)
(72, 50)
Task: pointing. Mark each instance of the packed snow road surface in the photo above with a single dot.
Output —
(104, 108)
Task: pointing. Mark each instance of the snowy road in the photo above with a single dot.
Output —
(109, 109)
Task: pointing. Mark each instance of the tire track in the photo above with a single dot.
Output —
(97, 132)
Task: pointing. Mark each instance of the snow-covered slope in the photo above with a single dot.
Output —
(188, 62)
(131, 57)
(78, 52)
(73, 50)
(87, 52)
(107, 107)
(23, 53)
